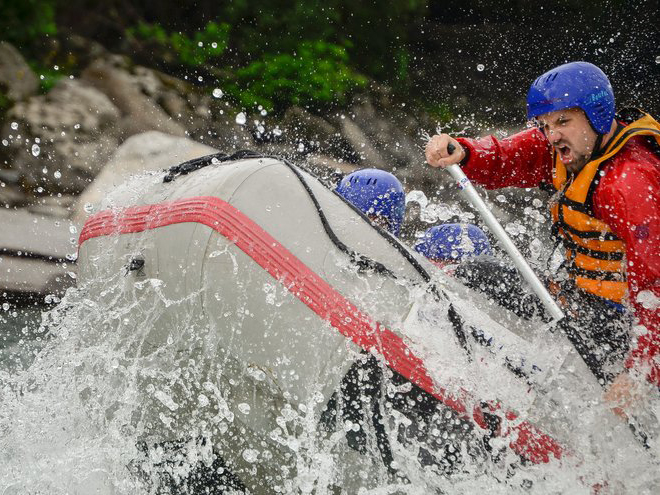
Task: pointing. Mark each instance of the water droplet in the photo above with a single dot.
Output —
(73, 229)
(89, 207)
(77, 126)
(57, 174)
(481, 67)
(14, 125)
(214, 45)
(244, 408)
(241, 119)
(217, 93)
(36, 150)
(44, 170)
(277, 131)
(250, 455)
(301, 147)
(657, 59)
(5, 306)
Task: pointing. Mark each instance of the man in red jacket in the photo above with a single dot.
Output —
(605, 175)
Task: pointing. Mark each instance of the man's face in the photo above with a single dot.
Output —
(571, 135)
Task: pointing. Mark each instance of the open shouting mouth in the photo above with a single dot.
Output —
(565, 153)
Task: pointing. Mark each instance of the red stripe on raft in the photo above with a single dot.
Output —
(313, 291)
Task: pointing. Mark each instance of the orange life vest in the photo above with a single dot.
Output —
(595, 255)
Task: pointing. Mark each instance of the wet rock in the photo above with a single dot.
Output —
(362, 145)
(328, 169)
(320, 162)
(11, 196)
(11, 193)
(35, 253)
(17, 81)
(60, 206)
(141, 153)
(130, 93)
(58, 141)
(303, 125)
(393, 133)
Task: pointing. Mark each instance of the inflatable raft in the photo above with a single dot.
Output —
(270, 322)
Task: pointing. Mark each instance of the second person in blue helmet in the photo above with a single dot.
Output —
(453, 242)
(464, 252)
(378, 194)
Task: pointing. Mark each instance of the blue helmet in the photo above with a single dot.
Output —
(453, 241)
(376, 192)
(577, 84)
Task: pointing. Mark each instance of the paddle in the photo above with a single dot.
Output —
(523, 267)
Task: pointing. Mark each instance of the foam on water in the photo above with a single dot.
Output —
(75, 421)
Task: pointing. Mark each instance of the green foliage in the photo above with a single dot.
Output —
(205, 45)
(440, 112)
(374, 32)
(317, 73)
(48, 77)
(23, 21)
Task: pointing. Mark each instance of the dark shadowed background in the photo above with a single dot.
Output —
(444, 57)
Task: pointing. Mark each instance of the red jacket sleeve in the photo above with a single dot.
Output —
(521, 160)
(628, 200)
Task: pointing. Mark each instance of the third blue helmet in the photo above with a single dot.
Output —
(577, 84)
(453, 241)
(376, 192)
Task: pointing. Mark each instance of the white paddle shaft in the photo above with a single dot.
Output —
(525, 270)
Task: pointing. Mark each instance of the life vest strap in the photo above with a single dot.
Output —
(596, 274)
(584, 234)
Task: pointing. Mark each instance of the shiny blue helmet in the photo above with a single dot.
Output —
(376, 192)
(453, 241)
(577, 84)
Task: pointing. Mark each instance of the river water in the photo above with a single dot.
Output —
(88, 406)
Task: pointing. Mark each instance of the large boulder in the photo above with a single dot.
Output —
(151, 100)
(11, 193)
(133, 94)
(17, 81)
(57, 141)
(37, 253)
(149, 151)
